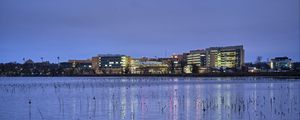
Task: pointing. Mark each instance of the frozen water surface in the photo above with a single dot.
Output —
(149, 98)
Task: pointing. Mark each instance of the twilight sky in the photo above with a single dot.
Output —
(79, 29)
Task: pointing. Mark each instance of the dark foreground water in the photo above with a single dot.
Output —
(149, 98)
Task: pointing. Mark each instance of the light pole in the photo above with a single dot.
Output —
(58, 60)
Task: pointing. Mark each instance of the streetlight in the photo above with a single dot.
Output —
(58, 59)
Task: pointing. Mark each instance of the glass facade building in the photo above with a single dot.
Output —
(197, 58)
(281, 63)
(225, 57)
(217, 57)
(111, 63)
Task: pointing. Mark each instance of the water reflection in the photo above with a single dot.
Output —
(149, 98)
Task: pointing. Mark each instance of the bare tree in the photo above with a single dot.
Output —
(258, 59)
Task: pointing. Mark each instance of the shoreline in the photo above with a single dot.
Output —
(277, 74)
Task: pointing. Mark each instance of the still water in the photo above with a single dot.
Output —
(149, 98)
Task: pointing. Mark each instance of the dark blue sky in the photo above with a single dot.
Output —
(78, 29)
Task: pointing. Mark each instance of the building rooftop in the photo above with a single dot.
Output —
(227, 47)
(281, 58)
(110, 55)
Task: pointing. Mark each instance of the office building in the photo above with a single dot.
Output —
(177, 64)
(225, 57)
(111, 64)
(148, 66)
(197, 58)
(281, 63)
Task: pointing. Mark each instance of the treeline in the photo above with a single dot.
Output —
(52, 69)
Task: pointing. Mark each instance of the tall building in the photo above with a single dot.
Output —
(197, 58)
(111, 63)
(196, 61)
(281, 63)
(225, 57)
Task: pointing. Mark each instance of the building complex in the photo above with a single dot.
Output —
(212, 59)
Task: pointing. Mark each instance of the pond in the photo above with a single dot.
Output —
(149, 98)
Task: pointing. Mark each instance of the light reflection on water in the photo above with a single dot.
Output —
(149, 98)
